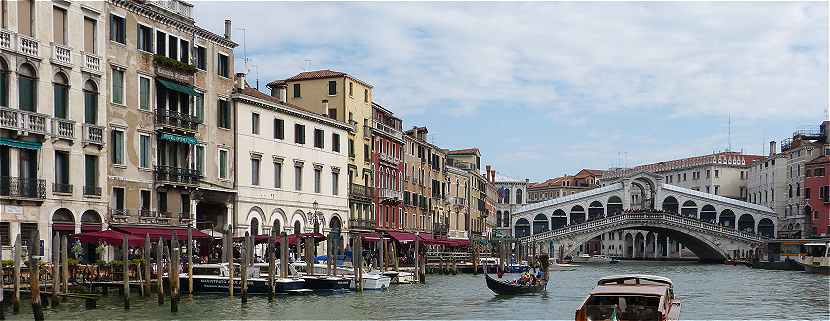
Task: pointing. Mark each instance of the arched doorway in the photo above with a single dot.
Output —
(577, 215)
(276, 228)
(522, 228)
(650, 247)
(557, 222)
(334, 224)
(629, 245)
(689, 209)
(498, 218)
(254, 229)
(708, 214)
(63, 222)
(297, 227)
(766, 228)
(727, 218)
(670, 205)
(90, 222)
(540, 223)
(615, 206)
(746, 223)
(639, 245)
(595, 211)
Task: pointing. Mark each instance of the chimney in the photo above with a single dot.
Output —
(228, 29)
(240, 81)
(772, 150)
(282, 93)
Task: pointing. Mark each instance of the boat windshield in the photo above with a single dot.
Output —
(816, 250)
(606, 307)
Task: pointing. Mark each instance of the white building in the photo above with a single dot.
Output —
(511, 194)
(291, 167)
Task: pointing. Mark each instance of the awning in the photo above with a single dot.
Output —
(402, 237)
(19, 143)
(370, 236)
(63, 227)
(179, 138)
(109, 237)
(159, 232)
(262, 238)
(292, 238)
(91, 227)
(184, 89)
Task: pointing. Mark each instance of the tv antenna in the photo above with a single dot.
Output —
(307, 64)
(244, 50)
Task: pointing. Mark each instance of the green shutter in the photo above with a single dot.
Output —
(199, 101)
(60, 98)
(117, 86)
(144, 93)
(90, 107)
(4, 88)
(26, 88)
(223, 166)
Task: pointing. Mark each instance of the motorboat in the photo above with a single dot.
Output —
(214, 278)
(291, 284)
(817, 258)
(400, 277)
(630, 297)
(320, 281)
(587, 258)
(374, 280)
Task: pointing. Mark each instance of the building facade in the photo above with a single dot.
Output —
(458, 194)
(388, 164)
(291, 164)
(564, 185)
(345, 98)
(480, 207)
(425, 203)
(511, 194)
(817, 194)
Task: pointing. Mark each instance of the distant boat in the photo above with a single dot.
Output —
(630, 297)
(587, 258)
(817, 260)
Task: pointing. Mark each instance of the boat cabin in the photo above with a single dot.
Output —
(221, 270)
(630, 297)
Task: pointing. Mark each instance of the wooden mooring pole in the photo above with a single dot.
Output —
(56, 270)
(173, 275)
(160, 270)
(189, 260)
(246, 257)
(272, 268)
(146, 256)
(18, 253)
(34, 276)
(284, 255)
(65, 266)
(229, 245)
(125, 257)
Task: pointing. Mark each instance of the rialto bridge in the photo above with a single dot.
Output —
(713, 227)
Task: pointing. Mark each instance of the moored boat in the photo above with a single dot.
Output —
(630, 297)
(213, 278)
(320, 282)
(817, 260)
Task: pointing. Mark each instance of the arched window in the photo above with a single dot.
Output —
(519, 196)
(4, 84)
(27, 88)
(498, 218)
(296, 227)
(90, 103)
(254, 226)
(61, 96)
(506, 219)
(507, 196)
(334, 224)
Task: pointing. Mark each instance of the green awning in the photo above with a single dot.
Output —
(184, 89)
(19, 143)
(179, 139)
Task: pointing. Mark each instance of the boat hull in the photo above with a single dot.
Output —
(374, 283)
(326, 283)
(816, 269)
(255, 286)
(503, 288)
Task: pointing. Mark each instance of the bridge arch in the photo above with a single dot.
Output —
(727, 218)
(708, 214)
(766, 228)
(540, 224)
(670, 204)
(595, 211)
(615, 206)
(689, 209)
(522, 228)
(559, 219)
(746, 223)
(577, 214)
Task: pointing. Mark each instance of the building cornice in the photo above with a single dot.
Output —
(264, 104)
(162, 16)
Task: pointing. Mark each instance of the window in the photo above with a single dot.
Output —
(224, 114)
(335, 142)
(716, 173)
(277, 175)
(144, 151)
(185, 56)
(255, 123)
(297, 91)
(4, 85)
(279, 128)
(797, 189)
(351, 84)
(351, 148)
(318, 138)
(59, 25)
(90, 30)
(199, 160)
(806, 193)
(117, 147)
(161, 43)
(201, 58)
(255, 171)
(118, 198)
(222, 67)
(143, 93)
(145, 38)
(61, 96)
(90, 103)
(62, 172)
(717, 188)
(199, 106)
(118, 29)
(299, 134)
(91, 175)
(317, 173)
(223, 164)
(162, 199)
(335, 183)
(332, 87)
(366, 95)
(708, 173)
(366, 153)
(27, 88)
(144, 200)
(117, 86)
(172, 47)
(298, 177)
(5, 234)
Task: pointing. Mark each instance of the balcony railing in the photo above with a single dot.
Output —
(6, 40)
(17, 187)
(177, 120)
(16, 119)
(360, 192)
(175, 6)
(119, 215)
(62, 188)
(62, 128)
(388, 130)
(361, 224)
(92, 190)
(440, 229)
(61, 54)
(390, 194)
(389, 158)
(91, 63)
(176, 175)
(93, 134)
(28, 46)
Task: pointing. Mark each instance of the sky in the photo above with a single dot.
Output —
(545, 89)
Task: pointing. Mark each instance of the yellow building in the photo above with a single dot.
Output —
(340, 96)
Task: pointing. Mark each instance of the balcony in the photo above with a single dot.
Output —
(361, 224)
(6, 40)
(390, 195)
(61, 55)
(459, 202)
(62, 128)
(360, 192)
(440, 229)
(119, 216)
(175, 120)
(93, 134)
(92, 190)
(178, 7)
(176, 176)
(146, 216)
(20, 120)
(388, 130)
(389, 159)
(28, 46)
(91, 63)
(58, 188)
(27, 188)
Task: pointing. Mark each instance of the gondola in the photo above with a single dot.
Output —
(505, 288)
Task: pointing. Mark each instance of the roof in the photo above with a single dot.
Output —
(637, 277)
(819, 160)
(727, 200)
(316, 74)
(647, 289)
(556, 181)
(725, 158)
(253, 92)
(466, 151)
(589, 172)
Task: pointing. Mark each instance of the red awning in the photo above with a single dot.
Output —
(262, 238)
(63, 227)
(402, 237)
(370, 236)
(109, 237)
(292, 238)
(457, 242)
(160, 232)
(87, 227)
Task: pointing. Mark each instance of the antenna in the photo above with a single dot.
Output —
(256, 68)
(244, 50)
(307, 65)
(729, 141)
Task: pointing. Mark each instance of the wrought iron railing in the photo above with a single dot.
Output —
(175, 119)
(361, 224)
(176, 175)
(17, 187)
(440, 229)
(92, 190)
(62, 188)
(360, 191)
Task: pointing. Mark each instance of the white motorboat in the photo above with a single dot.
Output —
(817, 260)
(400, 277)
(587, 258)
(374, 281)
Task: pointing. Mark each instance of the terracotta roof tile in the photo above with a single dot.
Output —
(464, 151)
(315, 74)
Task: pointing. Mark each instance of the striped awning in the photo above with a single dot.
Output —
(19, 143)
(179, 138)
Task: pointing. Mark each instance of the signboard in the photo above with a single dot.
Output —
(174, 74)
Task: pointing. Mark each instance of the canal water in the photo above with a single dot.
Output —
(707, 292)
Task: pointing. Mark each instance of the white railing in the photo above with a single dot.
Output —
(63, 128)
(91, 62)
(16, 119)
(390, 193)
(459, 201)
(175, 6)
(6, 40)
(389, 158)
(93, 134)
(28, 46)
(61, 54)
(387, 129)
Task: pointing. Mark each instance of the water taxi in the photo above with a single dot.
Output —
(213, 278)
(630, 297)
(817, 258)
